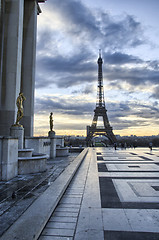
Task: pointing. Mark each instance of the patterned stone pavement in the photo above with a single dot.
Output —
(113, 196)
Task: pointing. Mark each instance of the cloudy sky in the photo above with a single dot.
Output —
(70, 33)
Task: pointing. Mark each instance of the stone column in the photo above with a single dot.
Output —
(2, 7)
(11, 69)
(28, 63)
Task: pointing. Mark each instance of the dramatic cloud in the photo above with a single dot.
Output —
(67, 50)
(77, 69)
(98, 28)
(133, 76)
(120, 33)
(97, 25)
(73, 107)
(86, 90)
(156, 94)
(118, 58)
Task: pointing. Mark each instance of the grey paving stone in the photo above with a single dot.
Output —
(156, 188)
(69, 205)
(67, 209)
(78, 186)
(126, 162)
(66, 225)
(108, 193)
(115, 219)
(54, 238)
(102, 167)
(65, 214)
(71, 195)
(90, 218)
(63, 219)
(128, 167)
(130, 190)
(75, 189)
(74, 192)
(71, 200)
(90, 234)
(142, 220)
(129, 175)
(58, 232)
(124, 235)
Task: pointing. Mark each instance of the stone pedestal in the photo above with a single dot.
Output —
(53, 144)
(53, 148)
(8, 158)
(18, 132)
(51, 134)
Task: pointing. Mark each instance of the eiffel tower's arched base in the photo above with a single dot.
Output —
(107, 132)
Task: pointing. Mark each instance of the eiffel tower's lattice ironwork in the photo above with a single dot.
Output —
(100, 111)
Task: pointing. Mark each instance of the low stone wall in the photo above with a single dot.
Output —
(8, 158)
(45, 145)
(26, 152)
(76, 149)
(39, 144)
(10, 166)
(59, 141)
(34, 164)
(62, 152)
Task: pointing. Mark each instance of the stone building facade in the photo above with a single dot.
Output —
(18, 27)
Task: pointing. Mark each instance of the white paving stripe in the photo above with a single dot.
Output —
(129, 174)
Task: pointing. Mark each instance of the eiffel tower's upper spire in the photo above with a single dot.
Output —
(100, 91)
(100, 61)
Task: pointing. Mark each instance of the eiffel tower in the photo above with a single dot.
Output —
(100, 111)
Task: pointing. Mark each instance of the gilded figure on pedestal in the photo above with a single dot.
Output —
(19, 104)
(51, 122)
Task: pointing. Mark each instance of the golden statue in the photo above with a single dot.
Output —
(51, 122)
(19, 104)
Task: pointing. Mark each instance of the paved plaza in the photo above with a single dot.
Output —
(114, 195)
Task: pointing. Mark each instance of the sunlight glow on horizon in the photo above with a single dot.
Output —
(42, 127)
